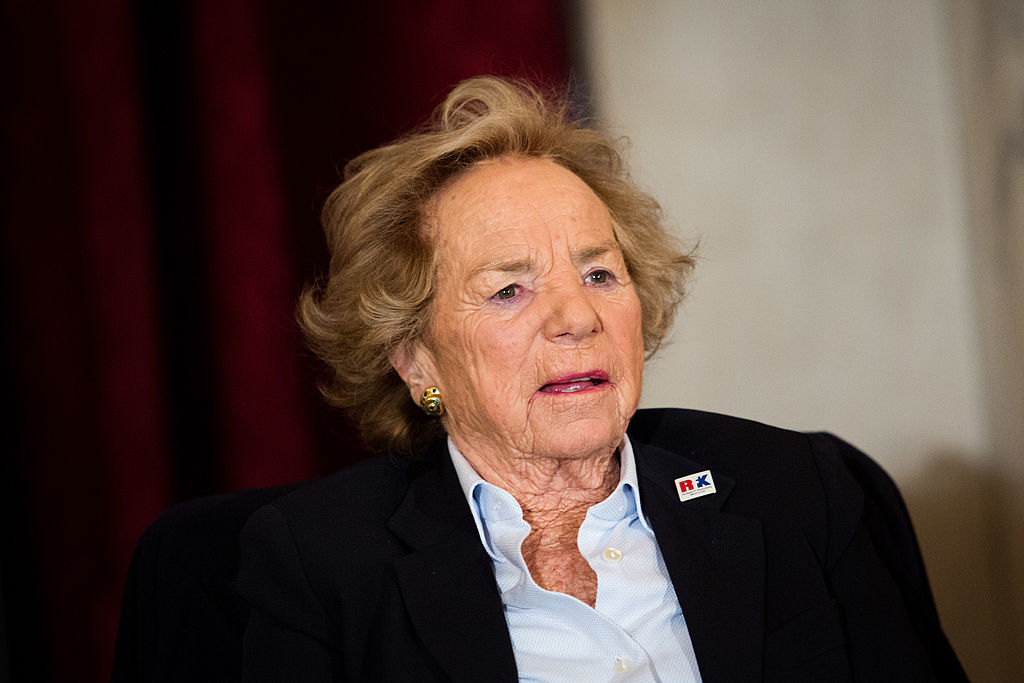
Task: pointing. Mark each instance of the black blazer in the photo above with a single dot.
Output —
(803, 566)
(181, 617)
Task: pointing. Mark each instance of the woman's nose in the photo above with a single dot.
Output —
(571, 316)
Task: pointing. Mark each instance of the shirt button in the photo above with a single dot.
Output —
(623, 665)
(612, 555)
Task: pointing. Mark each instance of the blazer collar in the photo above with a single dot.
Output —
(715, 560)
(448, 582)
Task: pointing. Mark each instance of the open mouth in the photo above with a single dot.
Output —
(575, 383)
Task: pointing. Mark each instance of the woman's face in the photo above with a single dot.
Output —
(536, 340)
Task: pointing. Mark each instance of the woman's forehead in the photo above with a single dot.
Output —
(513, 210)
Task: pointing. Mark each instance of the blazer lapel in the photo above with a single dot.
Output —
(448, 582)
(716, 563)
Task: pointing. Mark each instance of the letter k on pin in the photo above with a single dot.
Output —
(695, 485)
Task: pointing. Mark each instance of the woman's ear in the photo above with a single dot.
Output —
(415, 366)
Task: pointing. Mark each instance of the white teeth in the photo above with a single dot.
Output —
(573, 385)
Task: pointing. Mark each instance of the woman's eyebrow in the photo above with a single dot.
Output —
(503, 265)
(587, 254)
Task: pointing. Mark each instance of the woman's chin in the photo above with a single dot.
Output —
(580, 424)
(582, 437)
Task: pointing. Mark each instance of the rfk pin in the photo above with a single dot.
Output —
(695, 485)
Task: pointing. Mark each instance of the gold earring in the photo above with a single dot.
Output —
(431, 403)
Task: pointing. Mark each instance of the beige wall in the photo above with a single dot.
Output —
(988, 58)
(817, 149)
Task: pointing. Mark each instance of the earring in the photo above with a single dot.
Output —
(431, 403)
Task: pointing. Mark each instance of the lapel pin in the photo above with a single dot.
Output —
(695, 485)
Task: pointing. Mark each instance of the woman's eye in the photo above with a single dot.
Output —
(599, 277)
(506, 292)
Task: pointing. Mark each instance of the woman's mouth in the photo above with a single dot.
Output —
(573, 384)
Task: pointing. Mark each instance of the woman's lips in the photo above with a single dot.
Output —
(575, 383)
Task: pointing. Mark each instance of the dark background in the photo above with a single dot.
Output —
(163, 167)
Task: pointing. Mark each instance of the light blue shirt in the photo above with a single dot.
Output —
(636, 630)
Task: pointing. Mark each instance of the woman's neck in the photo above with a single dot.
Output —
(548, 488)
(555, 495)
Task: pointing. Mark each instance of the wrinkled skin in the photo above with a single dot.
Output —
(531, 288)
(533, 298)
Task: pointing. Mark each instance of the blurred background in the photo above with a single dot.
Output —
(854, 171)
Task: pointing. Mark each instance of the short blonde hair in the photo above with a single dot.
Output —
(376, 297)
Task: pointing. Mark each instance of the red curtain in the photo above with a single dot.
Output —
(163, 164)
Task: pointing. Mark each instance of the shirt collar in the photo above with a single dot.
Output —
(472, 483)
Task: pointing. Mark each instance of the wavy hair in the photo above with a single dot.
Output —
(376, 296)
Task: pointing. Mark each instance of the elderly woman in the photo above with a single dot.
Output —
(496, 283)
